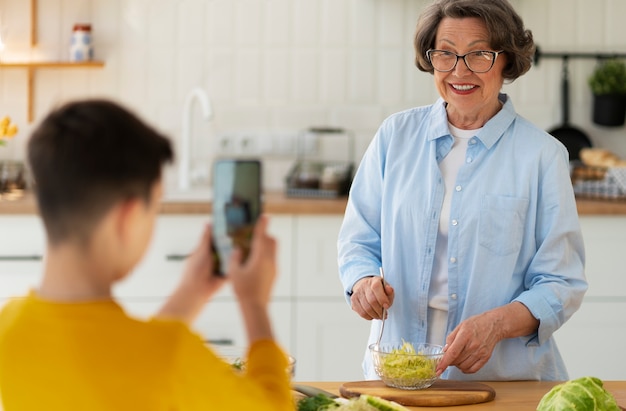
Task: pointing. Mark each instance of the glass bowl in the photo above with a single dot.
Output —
(406, 366)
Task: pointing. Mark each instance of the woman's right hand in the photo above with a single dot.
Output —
(369, 297)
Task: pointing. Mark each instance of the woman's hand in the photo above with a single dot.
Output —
(470, 345)
(369, 297)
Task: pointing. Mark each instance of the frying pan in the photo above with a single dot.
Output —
(571, 137)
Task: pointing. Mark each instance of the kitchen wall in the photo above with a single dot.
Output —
(274, 67)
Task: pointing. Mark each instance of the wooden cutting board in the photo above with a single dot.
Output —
(441, 394)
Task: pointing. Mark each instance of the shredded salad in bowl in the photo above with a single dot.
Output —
(406, 366)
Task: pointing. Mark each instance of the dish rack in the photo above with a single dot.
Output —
(316, 174)
(606, 183)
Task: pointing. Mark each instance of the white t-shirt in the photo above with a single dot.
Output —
(438, 292)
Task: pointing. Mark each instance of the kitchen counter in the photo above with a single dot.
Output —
(510, 395)
(279, 203)
(274, 203)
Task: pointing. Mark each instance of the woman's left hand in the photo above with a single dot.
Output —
(470, 345)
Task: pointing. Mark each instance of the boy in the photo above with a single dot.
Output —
(68, 345)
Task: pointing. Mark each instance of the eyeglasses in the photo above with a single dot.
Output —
(480, 61)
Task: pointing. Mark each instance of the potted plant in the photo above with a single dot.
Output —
(608, 85)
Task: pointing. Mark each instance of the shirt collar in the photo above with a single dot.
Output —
(491, 131)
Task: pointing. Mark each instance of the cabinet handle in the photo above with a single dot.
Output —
(176, 257)
(20, 257)
(220, 341)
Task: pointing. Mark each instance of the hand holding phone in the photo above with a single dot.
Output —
(236, 207)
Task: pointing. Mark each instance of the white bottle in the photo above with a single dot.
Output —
(81, 47)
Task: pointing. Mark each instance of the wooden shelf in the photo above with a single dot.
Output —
(51, 64)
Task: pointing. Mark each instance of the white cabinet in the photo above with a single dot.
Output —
(22, 246)
(316, 256)
(331, 340)
(311, 317)
(312, 320)
(175, 237)
(592, 341)
(220, 322)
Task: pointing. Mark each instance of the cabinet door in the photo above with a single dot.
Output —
(592, 341)
(316, 256)
(220, 323)
(605, 237)
(22, 245)
(331, 341)
(174, 238)
(159, 272)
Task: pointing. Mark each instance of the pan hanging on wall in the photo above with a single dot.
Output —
(572, 138)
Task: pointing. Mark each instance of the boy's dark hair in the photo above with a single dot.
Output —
(87, 155)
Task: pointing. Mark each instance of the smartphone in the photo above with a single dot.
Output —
(236, 208)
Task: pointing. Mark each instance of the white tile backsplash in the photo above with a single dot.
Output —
(333, 63)
(389, 28)
(334, 23)
(305, 23)
(283, 65)
(278, 22)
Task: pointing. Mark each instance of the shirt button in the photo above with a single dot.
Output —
(453, 260)
(458, 188)
(468, 160)
(454, 222)
(472, 141)
(453, 296)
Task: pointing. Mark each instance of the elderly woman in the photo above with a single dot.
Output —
(469, 209)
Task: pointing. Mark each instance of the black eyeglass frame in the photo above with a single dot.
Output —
(493, 61)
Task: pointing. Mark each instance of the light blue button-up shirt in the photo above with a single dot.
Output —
(513, 235)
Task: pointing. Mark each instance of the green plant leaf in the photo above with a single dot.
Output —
(609, 77)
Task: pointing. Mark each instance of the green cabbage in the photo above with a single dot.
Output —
(582, 394)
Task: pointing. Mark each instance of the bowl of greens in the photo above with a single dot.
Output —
(406, 366)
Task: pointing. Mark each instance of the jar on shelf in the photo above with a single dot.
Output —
(81, 47)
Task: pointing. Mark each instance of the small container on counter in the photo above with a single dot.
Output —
(81, 46)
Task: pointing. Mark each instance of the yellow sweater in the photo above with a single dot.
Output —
(92, 356)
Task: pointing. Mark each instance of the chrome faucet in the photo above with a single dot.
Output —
(184, 151)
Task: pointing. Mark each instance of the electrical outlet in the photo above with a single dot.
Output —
(225, 144)
(247, 144)
(285, 144)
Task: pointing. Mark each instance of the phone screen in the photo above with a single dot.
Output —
(236, 207)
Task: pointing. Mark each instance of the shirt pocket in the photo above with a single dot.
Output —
(501, 224)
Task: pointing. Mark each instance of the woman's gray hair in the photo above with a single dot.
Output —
(505, 27)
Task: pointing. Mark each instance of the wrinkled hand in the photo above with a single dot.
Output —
(369, 297)
(470, 345)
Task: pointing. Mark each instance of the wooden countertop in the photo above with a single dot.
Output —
(510, 395)
(279, 203)
(274, 203)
